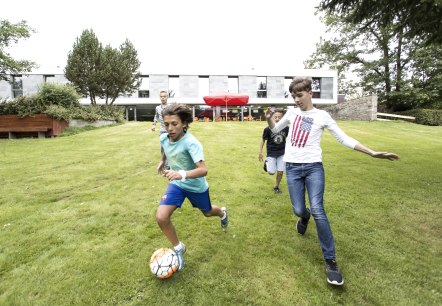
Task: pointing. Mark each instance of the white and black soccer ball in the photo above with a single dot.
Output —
(163, 263)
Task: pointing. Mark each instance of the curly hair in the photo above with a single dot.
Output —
(180, 110)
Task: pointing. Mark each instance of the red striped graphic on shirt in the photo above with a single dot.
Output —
(301, 130)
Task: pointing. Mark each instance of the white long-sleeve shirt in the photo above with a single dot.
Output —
(159, 117)
(303, 144)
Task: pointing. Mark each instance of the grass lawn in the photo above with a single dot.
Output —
(77, 221)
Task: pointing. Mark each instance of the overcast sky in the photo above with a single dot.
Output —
(172, 36)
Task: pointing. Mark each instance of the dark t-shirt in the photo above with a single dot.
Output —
(275, 141)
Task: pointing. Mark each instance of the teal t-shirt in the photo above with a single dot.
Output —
(182, 155)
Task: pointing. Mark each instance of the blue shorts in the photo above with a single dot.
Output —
(175, 195)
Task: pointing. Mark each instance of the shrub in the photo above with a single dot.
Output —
(56, 94)
(425, 116)
(22, 106)
(59, 102)
(98, 112)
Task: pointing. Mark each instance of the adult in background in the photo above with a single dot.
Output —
(304, 170)
(274, 162)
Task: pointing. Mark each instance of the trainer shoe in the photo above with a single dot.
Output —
(225, 221)
(277, 190)
(334, 275)
(301, 225)
(180, 255)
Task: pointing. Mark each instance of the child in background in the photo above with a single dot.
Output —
(274, 162)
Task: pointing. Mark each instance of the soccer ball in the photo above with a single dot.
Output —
(163, 263)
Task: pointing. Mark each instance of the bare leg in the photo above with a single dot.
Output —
(164, 212)
(278, 178)
(215, 211)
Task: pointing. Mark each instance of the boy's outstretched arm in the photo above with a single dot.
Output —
(383, 155)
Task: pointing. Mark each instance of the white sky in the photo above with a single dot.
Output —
(172, 36)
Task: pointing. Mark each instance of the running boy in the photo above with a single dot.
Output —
(303, 158)
(187, 172)
(274, 162)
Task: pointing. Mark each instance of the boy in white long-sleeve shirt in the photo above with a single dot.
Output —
(304, 170)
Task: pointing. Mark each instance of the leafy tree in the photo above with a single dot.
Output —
(11, 33)
(84, 64)
(120, 75)
(423, 87)
(383, 58)
(416, 18)
(101, 72)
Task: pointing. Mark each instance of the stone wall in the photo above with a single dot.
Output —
(362, 109)
(83, 123)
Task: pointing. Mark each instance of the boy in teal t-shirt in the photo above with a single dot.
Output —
(186, 172)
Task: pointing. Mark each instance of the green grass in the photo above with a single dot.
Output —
(77, 221)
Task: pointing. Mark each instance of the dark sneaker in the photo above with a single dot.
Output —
(277, 190)
(180, 255)
(265, 167)
(224, 222)
(301, 225)
(334, 275)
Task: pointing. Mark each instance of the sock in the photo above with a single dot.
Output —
(223, 217)
(179, 246)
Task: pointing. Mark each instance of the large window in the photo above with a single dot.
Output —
(203, 85)
(233, 84)
(143, 91)
(262, 87)
(316, 87)
(17, 86)
(49, 78)
(174, 86)
(287, 82)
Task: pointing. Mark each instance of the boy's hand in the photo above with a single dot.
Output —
(269, 113)
(385, 155)
(172, 175)
(161, 168)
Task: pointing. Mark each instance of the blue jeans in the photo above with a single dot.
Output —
(311, 176)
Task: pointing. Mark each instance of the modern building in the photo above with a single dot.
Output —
(264, 89)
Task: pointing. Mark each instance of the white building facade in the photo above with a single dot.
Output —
(264, 89)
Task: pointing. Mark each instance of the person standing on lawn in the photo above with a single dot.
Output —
(304, 170)
(164, 96)
(274, 162)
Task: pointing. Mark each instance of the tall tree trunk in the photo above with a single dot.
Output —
(92, 96)
(399, 62)
(386, 67)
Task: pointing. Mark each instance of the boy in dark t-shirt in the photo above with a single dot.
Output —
(275, 150)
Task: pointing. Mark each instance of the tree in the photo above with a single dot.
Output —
(423, 88)
(120, 75)
(419, 18)
(11, 33)
(102, 72)
(382, 57)
(83, 65)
